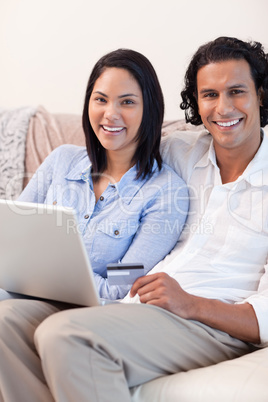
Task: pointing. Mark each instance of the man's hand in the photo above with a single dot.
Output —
(163, 291)
(238, 320)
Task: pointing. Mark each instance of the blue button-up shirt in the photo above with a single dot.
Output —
(137, 221)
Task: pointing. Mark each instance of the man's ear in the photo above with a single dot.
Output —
(196, 99)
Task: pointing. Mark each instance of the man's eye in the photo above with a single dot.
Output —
(210, 95)
(236, 91)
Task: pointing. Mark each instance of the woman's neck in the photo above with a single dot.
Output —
(117, 166)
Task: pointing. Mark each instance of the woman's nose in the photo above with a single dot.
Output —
(112, 112)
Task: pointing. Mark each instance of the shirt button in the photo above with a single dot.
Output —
(54, 202)
(86, 216)
(101, 198)
(116, 232)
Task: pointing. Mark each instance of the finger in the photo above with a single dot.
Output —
(141, 282)
(149, 288)
(160, 303)
(155, 290)
(149, 297)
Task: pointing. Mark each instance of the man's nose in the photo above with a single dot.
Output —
(224, 105)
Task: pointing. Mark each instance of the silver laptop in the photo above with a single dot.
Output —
(42, 254)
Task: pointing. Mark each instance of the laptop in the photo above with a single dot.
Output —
(42, 254)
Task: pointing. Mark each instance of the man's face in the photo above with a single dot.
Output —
(229, 105)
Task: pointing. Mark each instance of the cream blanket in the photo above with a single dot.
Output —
(14, 125)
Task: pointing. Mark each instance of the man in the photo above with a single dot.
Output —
(208, 300)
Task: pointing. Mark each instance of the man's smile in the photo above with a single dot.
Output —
(228, 123)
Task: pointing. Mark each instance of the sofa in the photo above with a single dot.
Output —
(31, 134)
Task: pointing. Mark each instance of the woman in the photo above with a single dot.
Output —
(130, 207)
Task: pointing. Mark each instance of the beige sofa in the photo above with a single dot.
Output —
(244, 379)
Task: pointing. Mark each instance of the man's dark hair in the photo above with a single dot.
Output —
(149, 133)
(222, 49)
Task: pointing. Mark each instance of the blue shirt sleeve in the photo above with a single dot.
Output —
(38, 186)
(158, 211)
(160, 226)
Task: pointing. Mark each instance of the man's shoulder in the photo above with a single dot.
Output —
(182, 148)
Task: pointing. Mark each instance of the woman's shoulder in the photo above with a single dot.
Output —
(167, 172)
(69, 152)
(165, 180)
(67, 156)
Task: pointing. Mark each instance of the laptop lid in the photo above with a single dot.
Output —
(42, 254)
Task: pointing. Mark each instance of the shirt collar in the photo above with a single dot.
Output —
(127, 187)
(85, 175)
(78, 169)
(208, 157)
(256, 173)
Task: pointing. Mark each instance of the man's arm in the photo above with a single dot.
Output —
(238, 320)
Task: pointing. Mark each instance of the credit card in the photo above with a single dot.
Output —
(124, 274)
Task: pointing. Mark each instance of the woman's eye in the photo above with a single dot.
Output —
(128, 102)
(102, 100)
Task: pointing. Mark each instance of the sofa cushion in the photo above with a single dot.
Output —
(46, 132)
(242, 379)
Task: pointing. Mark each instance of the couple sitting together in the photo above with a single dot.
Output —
(191, 207)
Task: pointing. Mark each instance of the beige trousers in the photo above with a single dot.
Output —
(96, 354)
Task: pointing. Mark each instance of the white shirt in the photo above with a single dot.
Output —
(222, 252)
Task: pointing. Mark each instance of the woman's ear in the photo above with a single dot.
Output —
(261, 95)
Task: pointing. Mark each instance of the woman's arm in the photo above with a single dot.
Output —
(161, 222)
(37, 188)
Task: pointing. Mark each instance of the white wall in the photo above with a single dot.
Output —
(48, 47)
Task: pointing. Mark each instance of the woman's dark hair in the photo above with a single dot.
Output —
(221, 49)
(149, 133)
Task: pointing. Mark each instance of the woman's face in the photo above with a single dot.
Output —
(115, 111)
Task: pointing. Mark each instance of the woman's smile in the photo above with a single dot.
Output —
(112, 130)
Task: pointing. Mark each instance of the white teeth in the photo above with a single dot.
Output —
(113, 128)
(228, 123)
